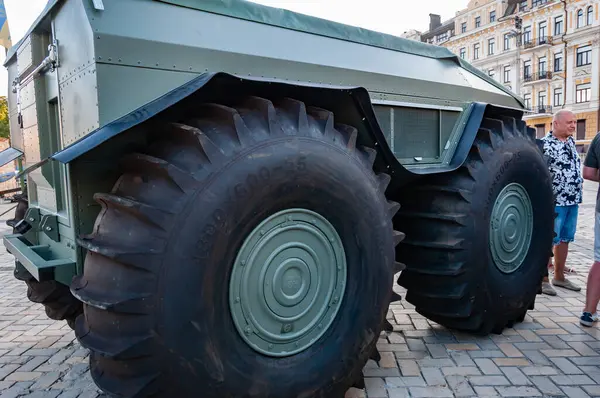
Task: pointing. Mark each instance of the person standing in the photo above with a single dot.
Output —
(591, 165)
(567, 183)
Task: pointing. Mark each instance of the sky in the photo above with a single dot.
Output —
(379, 15)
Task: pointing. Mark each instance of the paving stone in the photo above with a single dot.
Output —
(462, 358)
(375, 387)
(435, 362)
(33, 363)
(381, 372)
(401, 392)
(518, 392)
(46, 380)
(433, 377)
(488, 380)
(426, 392)
(461, 371)
(487, 366)
(511, 362)
(545, 385)
(485, 391)
(515, 376)
(539, 370)
(437, 350)
(23, 376)
(460, 386)
(575, 392)
(388, 360)
(565, 366)
(409, 367)
(570, 380)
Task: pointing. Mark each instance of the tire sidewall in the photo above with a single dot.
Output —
(194, 289)
(516, 161)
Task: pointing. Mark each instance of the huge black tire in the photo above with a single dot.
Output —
(451, 274)
(157, 273)
(56, 298)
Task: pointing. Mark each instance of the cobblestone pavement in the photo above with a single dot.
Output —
(548, 354)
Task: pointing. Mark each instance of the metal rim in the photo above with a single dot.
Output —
(287, 282)
(511, 228)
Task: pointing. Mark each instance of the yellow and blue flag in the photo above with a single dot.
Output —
(4, 31)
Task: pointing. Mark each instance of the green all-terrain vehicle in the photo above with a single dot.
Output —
(220, 194)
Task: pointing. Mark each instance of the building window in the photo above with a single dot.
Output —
(527, 100)
(540, 130)
(580, 135)
(590, 15)
(506, 74)
(583, 93)
(579, 18)
(523, 5)
(558, 25)
(463, 27)
(542, 30)
(492, 16)
(527, 69)
(558, 62)
(542, 66)
(477, 22)
(584, 55)
(463, 53)
(491, 45)
(506, 42)
(542, 99)
(558, 96)
(527, 34)
(476, 51)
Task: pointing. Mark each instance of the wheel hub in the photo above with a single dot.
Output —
(511, 228)
(287, 282)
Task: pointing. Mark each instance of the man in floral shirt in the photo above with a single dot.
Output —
(567, 182)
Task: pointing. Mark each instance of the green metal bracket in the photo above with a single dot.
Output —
(49, 225)
(32, 215)
(37, 259)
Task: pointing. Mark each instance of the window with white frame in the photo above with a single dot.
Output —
(527, 100)
(542, 99)
(558, 25)
(527, 69)
(584, 55)
(507, 74)
(542, 66)
(558, 64)
(542, 30)
(558, 96)
(583, 93)
(527, 34)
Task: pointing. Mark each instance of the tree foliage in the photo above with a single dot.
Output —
(4, 126)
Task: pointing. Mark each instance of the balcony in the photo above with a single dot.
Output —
(537, 77)
(542, 109)
(539, 3)
(540, 41)
(536, 111)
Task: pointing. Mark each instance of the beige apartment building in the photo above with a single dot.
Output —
(557, 64)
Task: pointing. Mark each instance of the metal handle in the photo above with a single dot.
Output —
(50, 61)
